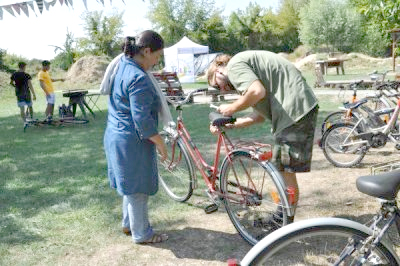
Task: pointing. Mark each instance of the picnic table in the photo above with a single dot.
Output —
(331, 63)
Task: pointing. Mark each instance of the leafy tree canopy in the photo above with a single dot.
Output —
(333, 24)
(174, 19)
(103, 34)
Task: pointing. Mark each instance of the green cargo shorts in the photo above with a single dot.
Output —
(293, 146)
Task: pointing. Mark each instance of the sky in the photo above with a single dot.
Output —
(34, 36)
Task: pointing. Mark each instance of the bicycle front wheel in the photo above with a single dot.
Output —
(176, 174)
(342, 146)
(318, 244)
(251, 197)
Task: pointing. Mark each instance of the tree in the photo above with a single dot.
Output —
(66, 58)
(174, 19)
(383, 13)
(215, 35)
(252, 29)
(333, 24)
(287, 24)
(103, 34)
(379, 17)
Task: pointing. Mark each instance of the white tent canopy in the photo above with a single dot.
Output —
(179, 58)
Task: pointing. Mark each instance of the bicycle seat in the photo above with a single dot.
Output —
(219, 120)
(356, 104)
(384, 186)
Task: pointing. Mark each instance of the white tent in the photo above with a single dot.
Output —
(179, 58)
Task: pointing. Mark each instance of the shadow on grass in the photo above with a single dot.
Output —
(203, 244)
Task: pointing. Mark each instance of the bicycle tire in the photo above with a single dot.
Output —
(319, 242)
(176, 174)
(251, 199)
(337, 117)
(74, 121)
(339, 153)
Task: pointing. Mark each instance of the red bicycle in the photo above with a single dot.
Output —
(251, 188)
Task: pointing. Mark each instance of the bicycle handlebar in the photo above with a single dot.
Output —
(186, 99)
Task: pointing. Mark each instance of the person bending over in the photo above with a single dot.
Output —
(276, 91)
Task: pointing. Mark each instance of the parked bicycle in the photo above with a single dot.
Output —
(345, 144)
(337, 241)
(383, 98)
(251, 188)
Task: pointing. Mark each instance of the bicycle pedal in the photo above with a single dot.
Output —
(397, 146)
(211, 208)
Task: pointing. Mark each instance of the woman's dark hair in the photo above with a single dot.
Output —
(146, 39)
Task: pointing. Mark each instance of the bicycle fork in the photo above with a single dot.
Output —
(365, 247)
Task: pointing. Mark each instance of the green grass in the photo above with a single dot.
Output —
(55, 198)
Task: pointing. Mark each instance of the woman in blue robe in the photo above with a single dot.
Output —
(131, 139)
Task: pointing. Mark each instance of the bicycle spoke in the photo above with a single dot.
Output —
(251, 207)
(176, 173)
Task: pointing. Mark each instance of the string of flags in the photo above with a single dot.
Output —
(14, 7)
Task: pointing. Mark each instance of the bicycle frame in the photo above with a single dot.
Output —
(198, 158)
(210, 172)
(384, 130)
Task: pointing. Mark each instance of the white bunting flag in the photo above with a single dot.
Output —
(32, 6)
(1, 13)
(84, 2)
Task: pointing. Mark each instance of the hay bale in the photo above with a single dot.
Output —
(88, 69)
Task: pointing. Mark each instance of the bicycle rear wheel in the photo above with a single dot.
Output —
(251, 197)
(337, 117)
(342, 146)
(318, 244)
(176, 174)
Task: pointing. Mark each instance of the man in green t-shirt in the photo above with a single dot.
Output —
(277, 91)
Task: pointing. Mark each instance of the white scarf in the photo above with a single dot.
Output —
(108, 81)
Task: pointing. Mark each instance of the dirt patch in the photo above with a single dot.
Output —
(88, 69)
(353, 60)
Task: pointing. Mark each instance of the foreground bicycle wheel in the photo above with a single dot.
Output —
(342, 146)
(251, 197)
(176, 173)
(317, 245)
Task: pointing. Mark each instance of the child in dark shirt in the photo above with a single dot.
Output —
(23, 88)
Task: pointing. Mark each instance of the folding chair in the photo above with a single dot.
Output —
(92, 100)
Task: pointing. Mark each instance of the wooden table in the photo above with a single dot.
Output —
(329, 63)
(77, 97)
